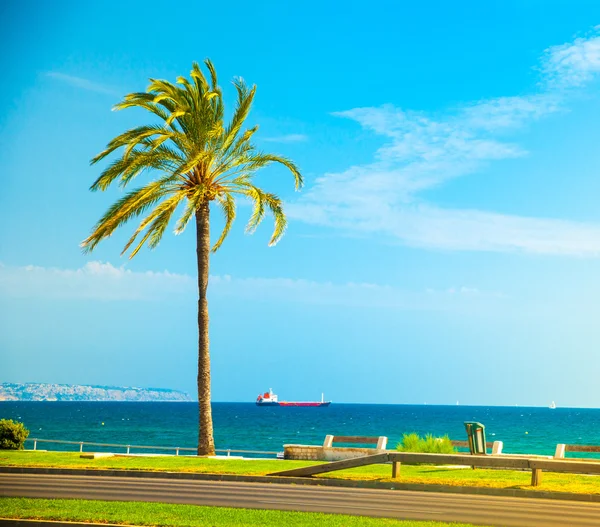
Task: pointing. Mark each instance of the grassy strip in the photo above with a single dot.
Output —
(420, 474)
(252, 467)
(163, 514)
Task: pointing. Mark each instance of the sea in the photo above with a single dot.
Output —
(245, 426)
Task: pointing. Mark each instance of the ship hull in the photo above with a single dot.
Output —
(296, 404)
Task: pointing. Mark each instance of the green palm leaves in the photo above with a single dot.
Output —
(197, 157)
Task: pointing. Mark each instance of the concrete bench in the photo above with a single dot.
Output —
(330, 451)
(562, 449)
(380, 442)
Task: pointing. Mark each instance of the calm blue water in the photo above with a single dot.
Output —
(248, 427)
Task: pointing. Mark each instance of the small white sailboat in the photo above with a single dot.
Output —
(552, 405)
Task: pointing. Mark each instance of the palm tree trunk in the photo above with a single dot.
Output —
(206, 442)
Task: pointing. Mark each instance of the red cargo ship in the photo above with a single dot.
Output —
(270, 399)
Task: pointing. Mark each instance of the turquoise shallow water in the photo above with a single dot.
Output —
(248, 427)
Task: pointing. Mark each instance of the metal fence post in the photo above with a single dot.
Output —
(81, 446)
(128, 446)
(228, 452)
(177, 451)
(35, 444)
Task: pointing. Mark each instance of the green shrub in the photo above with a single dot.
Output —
(428, 444)
(12, 435)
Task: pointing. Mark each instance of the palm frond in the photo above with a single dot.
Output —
(137, 162)
(199, 78)
(157, 221)
(244, 103)
(194, 201)
(261, 160)
(213, 74)
(276, 207)
(129, 206)
(227, 204)
(130, 137)
(258, 212)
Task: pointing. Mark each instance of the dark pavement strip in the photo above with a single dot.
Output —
(484, 510)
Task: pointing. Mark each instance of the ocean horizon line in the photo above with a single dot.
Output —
(337, 403)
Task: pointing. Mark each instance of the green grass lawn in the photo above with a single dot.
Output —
(421, 474)
(163, 514)
(256, 467)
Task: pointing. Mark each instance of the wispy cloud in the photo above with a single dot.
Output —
(84, 84)
(95, 280)
(350, 294)
(103, 281)
(574, 63)
(504, 113)
(422, 151)
(289, 138)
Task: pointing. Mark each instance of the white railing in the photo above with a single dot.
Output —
(128, 448)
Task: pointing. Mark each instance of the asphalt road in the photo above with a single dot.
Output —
(480, 510)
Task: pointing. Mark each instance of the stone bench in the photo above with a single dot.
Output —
(562, 449)
(329, 452)
(380, 442)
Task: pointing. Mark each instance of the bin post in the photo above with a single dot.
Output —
(476, 437)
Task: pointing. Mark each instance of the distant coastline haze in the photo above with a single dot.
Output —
(75, 392)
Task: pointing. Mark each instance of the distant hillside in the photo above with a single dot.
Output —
(77, 392)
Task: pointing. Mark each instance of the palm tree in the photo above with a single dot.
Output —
(199, 160)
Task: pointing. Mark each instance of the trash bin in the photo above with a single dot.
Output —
(476, 437)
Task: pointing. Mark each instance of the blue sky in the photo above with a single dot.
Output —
(446, 244)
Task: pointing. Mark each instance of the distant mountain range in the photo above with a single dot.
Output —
(78, 392)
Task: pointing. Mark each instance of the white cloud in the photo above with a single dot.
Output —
(289, 138)
(95, 280)
(509, 112)
(103, 281)
(473, 230)
(82, 83)
(572, 64)
(351, 294)
(422, 151)
(426, 226)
